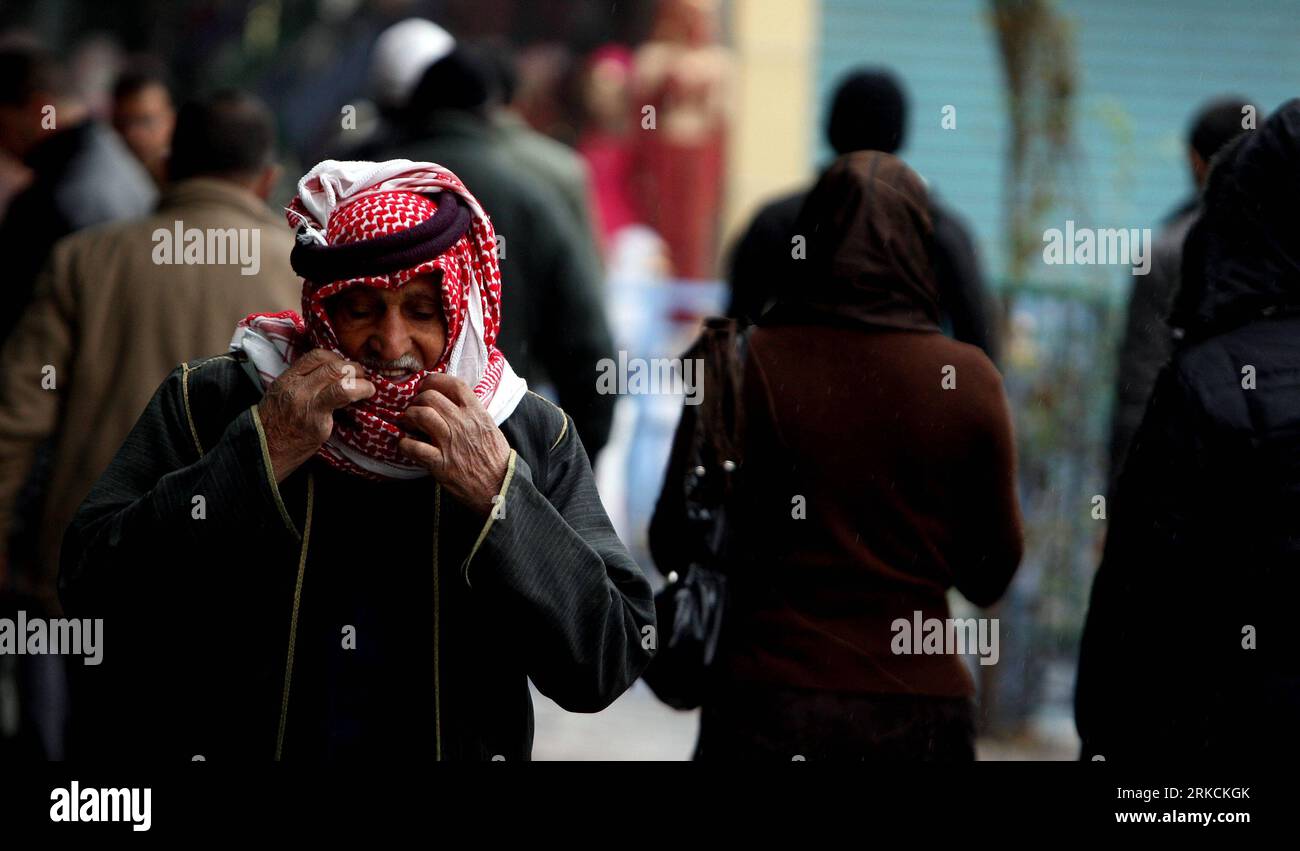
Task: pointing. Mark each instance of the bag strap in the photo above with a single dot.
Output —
(708, 436)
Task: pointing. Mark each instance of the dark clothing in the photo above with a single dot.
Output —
(449, 614)
(1148, 340)
(111, 322)
(1202, 542)
(34, 689)
(968, 311)
(761, 262)
(554, 328)
(762, 268)
(779, 724)
(560, 168)
(908, 489)
(82, 176)
(1190, 649)
(868, 489)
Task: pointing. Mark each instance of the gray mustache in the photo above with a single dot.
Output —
(409, 363)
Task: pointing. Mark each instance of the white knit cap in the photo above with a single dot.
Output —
(402, 54)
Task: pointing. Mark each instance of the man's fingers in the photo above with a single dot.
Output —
(346, 372)
(420, 452)
(364, 388)
(344, 384)
(429, 421)
(450, 386)
(437, 401)
(341, 370)
(313, 361)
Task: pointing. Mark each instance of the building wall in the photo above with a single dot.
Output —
(1143, 68)
(769, 150)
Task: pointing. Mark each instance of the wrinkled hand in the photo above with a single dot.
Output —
(467, 453)
(297, 411)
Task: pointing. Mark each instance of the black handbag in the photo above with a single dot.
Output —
(688, 532)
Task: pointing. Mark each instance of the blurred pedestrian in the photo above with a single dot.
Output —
(1190, 649)
(606, 142)
(553, 163)
(82, 173)
(144, 117)
(1147, 341)
(878, 472)
(110, 321)
(78, 173)
(868, 113)
(556, 332)
(398, 59)
(682, 82)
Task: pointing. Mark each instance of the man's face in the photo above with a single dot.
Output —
(145, 119)
(392, 333)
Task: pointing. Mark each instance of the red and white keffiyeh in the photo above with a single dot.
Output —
(344, 203)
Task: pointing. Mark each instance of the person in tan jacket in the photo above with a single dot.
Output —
(120, 305)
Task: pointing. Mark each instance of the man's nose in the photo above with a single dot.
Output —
(392, 338)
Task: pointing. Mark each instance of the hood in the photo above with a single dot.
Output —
(868, 231)
(1241, 260)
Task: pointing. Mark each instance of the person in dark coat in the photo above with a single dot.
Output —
(83, 174)
(1190, 650)
(869, 113)
(1147, 341)
(556, 332)
(870, 485)
(356, 534)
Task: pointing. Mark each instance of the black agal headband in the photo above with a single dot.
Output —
(383, 255)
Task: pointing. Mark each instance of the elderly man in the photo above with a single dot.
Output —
(550, 269)
(357, 533)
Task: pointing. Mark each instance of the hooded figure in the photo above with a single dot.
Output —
(356, 534)
(1189, 651)
(879, 471)
(868, 113)
(1147, 343)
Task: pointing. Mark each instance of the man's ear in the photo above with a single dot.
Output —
(266, 182)
(1200, 168)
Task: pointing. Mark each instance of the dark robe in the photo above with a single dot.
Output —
(1190, 651)
(417, 623)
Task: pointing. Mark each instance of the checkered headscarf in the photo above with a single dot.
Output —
(380, 225)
